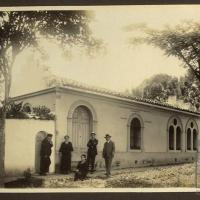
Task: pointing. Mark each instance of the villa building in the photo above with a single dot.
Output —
(145, 132)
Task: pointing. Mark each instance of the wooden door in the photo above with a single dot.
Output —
(81, 128)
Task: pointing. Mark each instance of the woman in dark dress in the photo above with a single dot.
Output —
(65, 151)
(82, 169)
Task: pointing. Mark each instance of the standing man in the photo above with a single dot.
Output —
(108, 153)
(45, 153)
(92, 151)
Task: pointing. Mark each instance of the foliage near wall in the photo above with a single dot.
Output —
(18, 111)
(160, 86)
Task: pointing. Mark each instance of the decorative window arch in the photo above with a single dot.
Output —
(135, 132)
(191, 135)
(174, 130)
(82, 103)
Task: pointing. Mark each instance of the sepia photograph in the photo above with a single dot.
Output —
(100, 97)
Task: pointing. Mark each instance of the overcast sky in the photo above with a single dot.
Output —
(122, 67)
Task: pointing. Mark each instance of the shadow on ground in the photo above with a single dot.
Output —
(25, 183)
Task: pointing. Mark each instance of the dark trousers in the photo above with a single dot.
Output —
(79, 176)
(108, 162)
(44, 164)
(91, 161)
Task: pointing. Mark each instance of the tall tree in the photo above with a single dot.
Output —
(158, 87)
(20, 30)
(190, 89)
(181, 41)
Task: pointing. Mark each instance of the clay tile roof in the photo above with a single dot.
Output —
(76, 84)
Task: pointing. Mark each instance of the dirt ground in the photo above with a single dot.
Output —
(182, 175)
(164, 176)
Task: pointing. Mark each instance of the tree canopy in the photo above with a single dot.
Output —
(190, 89)
(181, 41)
(22, 29)
(160, 86)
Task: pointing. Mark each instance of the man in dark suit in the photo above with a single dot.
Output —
(108, 153)
(45, 153)
(92, 151)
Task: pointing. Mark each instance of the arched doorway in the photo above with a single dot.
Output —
(38, 140)
(81, 127)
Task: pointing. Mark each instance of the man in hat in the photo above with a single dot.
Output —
(108, 153)
(45, 153)
(92, 151)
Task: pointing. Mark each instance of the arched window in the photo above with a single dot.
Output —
(174, 134)
(135, 134)
(178, 138)
(195, 139)
(171, 138)
(191, 135)
(189, 139)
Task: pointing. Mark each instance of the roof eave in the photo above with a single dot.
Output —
(58, 88)
(132, 101)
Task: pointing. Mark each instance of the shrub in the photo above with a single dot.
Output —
(43, 112)
(17, 111)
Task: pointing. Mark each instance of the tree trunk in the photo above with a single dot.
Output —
(2, 147)
(3, 112)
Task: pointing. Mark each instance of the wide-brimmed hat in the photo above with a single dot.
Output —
(107, 135)
(66, 136)
(92, 133)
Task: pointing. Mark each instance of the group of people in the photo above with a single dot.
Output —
(87, 162)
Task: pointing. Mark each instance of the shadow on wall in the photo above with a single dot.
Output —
(38, 140)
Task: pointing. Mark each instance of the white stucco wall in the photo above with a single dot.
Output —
(112, 118)
(20, 144)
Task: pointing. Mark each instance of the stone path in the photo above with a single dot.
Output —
(164, 176)
(182, 175)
